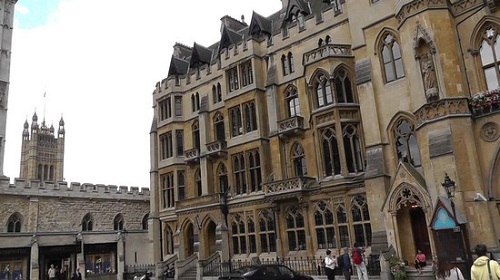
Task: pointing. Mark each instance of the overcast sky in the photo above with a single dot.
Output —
(98, 62)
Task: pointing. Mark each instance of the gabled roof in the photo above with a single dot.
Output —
(260, 24)
(229, 37)
(200, 56)
(177, 66)
(297, 5)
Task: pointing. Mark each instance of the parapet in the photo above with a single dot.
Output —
(72, 189)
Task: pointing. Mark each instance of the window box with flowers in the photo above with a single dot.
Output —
(398, 268)
(485, 102)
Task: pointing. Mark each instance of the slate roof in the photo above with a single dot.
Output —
(200, 56)
(260, 24)
(178, 66)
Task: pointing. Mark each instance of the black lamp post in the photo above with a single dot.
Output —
(450, 187)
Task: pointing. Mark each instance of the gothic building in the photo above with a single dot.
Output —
(45, 221)
(329, 123)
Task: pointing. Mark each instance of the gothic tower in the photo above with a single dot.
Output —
(7, 19)
(42, 153)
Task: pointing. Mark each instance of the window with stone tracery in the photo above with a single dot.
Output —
(169, 238)
(299, 160)
(295, 229)
(87, 223)
(406, 142)
(267, 232)
(490, 56)
(391, 59)
(118, 222)
(252, 241)
(238, 233)
(167, 184)
(14, 223)
(292, 101)
(361, 221)
(342, 223)
(324, 226)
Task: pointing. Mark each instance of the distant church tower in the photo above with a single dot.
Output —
(7, 20)
(42, 153)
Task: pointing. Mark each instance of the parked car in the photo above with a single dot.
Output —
(265, 272)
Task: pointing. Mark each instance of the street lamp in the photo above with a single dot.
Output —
(450, 187)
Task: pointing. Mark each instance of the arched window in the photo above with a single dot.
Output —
(214, 94)
(328, 39)
(291, 67)
(331, 156)
(220, 134)
(236, 121)
(145, 222)
(320, 42)
(406, 142)
(167, 182)
(196, 135)
(324, 225)
(181, 188)
(267, 232)
(219, 92)
(361, 221)
(193, 103)
(14, 223)
(292, 100)
(239, 173)
(252, 242)
(284, 65)
(197, 180)
(250, 115)
(118, 222)
(87, 223)
(299, 160)
(238, 234)
(352, 148)
(490, 56)
(222, 175)
(343, 87)
(295, 229)
(323, 88)
(342, 224)
(169, 238)
(254, 170)
(392, 62)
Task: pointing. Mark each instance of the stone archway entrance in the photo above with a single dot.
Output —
(209, 239)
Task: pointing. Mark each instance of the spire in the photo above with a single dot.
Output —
(61, 131)
(26, 133)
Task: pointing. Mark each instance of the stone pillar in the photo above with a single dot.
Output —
(120, 251)
(34, 268)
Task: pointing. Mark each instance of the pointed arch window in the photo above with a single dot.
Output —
(254, 170)
(343, 87)
(331, 156)
(392, 61)
(181, 188)
(167, 182)
(166, 145)
(267, 232)
(250, 115)
(240, 181)
(252, 242)
(236, 121)
(145, 222)
(295, 229)
(299, 160)
(292, 100)
(196, 135)
(238, 234)
(220, 134)
(406, 142)
(14, 223)
(284, 65)
(490, 56)
(118, 222)
(197, 180)
(323, 88)
(324, 226)
(219, 92)
(87, 223)
(342, 224)
(222, 175)
(169, 244)
(361, 220)
(352, 148)
(179, 142)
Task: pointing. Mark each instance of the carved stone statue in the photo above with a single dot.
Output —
(429, 77)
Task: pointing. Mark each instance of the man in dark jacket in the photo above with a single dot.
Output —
(344, 262)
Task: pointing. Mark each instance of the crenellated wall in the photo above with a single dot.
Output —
(71, 190)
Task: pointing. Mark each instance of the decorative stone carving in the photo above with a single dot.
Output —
(490, 132)
(422, 34)
(429, 78)
(441, 109)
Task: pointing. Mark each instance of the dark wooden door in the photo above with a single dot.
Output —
(420, 233)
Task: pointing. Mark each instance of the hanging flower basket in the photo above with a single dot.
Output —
(485, 102)
(398, 268)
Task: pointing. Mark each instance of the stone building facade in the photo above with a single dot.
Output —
(329, 123)
(46, 221)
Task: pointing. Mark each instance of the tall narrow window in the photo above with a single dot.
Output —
(267, 232)
(324, 225)
(233, 79)
(222, 175)
(196, 135)
(166, 149)
(284, 65)
(252, 241)
(87, 223)
(250, 116)
(490, 57)
(361, 221)
(291, 68)
(342, 224)
(331, 157)
(292, 99)
(295, 229)
(254, 170)
(178, 106)
(181, 188)
(14, 223)
(220, 134)
(240, 181)
(165, 109)
(179, 142)
(406, 142)
(145, 222)
(238, 234)
(236, 122)
(299, 160)
(343, 87)
(352, 148)
(197, 181)
(169, 244)
(167, 182)
(246, 73)
(391, 59)
(324, 95)
(118, 222)
(219, 92)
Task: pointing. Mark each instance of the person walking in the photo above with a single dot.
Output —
(52, 272)
(330, 264)
(357, 259)
(344, 263)
(447, 271)
(76, 275)
(483, 268)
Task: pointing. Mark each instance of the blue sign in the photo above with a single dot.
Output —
(443, 220)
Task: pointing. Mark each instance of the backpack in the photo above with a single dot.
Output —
(340, 261)
(356, 257)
